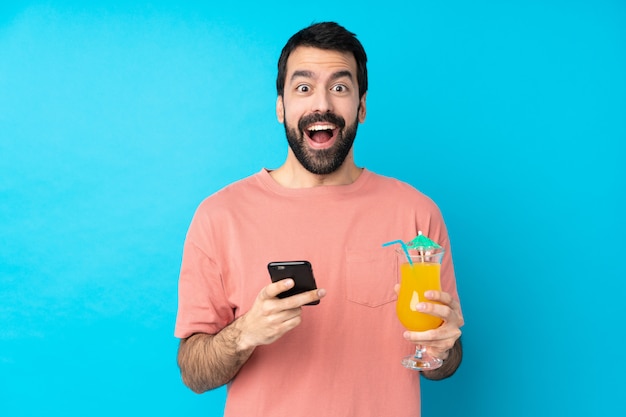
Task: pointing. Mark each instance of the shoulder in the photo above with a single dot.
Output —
(232, 193)
(401, 192)
(215, 210)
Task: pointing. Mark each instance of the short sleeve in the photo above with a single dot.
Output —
(203, 306)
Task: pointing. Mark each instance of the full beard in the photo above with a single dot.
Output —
(322, 161)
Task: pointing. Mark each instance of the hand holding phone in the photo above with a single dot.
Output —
(300, 271)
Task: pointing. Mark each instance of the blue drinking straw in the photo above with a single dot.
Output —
(404, 248)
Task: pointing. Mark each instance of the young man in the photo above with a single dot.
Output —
(279, 356)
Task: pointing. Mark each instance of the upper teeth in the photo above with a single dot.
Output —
(321, 127)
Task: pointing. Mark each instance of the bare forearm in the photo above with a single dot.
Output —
(450, 364)
(209, 361)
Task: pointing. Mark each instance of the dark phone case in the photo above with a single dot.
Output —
(300, 271)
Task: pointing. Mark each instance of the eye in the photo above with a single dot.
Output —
(303, 88)
(339, 88)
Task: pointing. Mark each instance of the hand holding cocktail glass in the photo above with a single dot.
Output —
(419, 264)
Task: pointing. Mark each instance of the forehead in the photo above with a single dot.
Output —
(320, 61)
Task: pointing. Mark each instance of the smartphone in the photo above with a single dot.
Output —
(300, 271)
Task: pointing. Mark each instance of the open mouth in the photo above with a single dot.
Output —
(321, 134)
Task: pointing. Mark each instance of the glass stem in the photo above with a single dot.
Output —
(418, 352)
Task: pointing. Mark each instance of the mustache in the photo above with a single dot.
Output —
(339, 121)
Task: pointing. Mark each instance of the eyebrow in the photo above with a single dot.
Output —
(310, 74)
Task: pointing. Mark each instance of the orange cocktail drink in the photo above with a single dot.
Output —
(419, 266)
(415, 280)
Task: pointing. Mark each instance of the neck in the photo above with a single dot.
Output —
(293, 175)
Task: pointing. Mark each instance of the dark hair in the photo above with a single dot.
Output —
(329, 36)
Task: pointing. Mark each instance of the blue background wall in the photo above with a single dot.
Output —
(117, 119)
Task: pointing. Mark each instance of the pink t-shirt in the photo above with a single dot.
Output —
(344, 359)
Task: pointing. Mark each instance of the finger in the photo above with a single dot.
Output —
(444, 298)
(447, 313)
(441, 352)
(440, 296)
(291, 323)
(275, 288)
(298, 300)
(447, 299)
(442, 337)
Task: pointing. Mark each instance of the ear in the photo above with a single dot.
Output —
(280, 110)
(362, 108)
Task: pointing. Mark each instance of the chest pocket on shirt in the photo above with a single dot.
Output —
(371, 276)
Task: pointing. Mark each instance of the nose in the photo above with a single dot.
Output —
(321, 101)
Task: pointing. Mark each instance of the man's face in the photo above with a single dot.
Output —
(320, 107)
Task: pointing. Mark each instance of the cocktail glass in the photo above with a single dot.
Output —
(419, 267)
